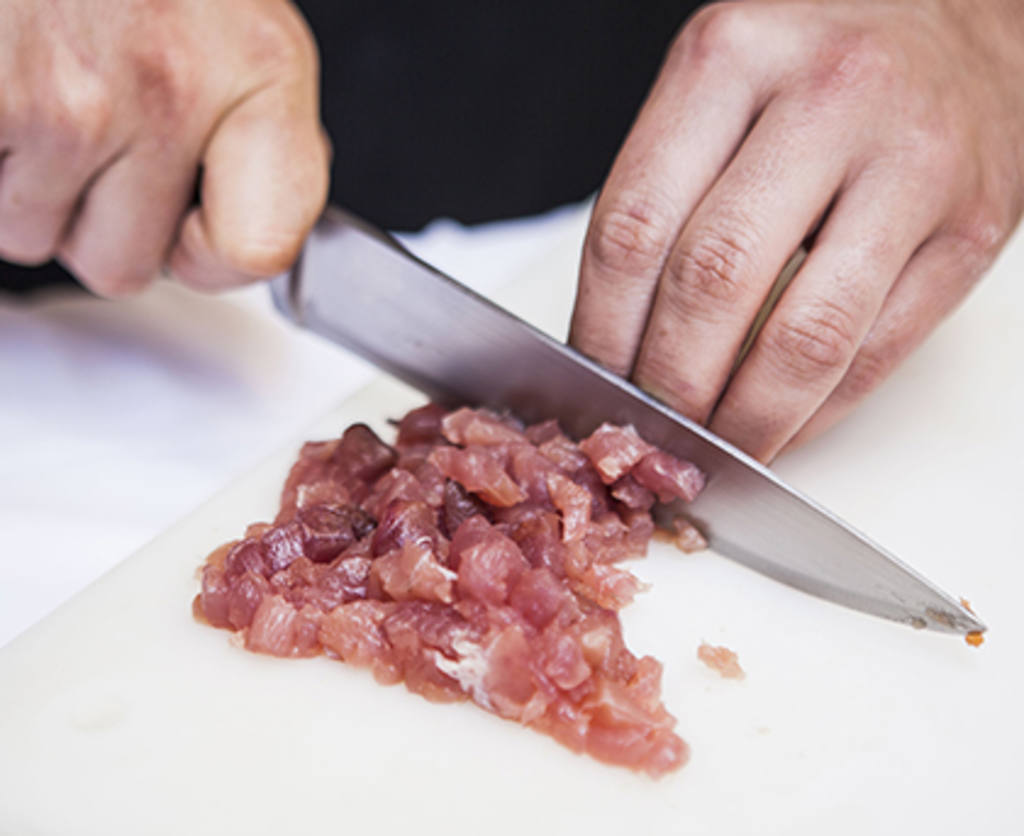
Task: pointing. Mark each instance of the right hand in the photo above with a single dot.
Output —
(890, 132)
(110, 111)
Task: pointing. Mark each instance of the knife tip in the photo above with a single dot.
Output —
(958, 618)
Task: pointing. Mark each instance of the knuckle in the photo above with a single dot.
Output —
(934, 150)
(710, 273)
(868, 369)
(660, 374)
(628, 238)
(856, 60)
(279, 41)
(80, 113)
(167, 78)
(981, 230)
(716, 32)
(813, 343)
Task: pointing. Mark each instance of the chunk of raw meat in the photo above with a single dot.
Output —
(412, 572)
(459, 506)
(668, 477)
(614, 450)
(336, 472)
(486, 560)
(421, 426)
(479, 470)
(279, 629)
(479, 426)
(721, 659)
(476, 560)
(687, 536)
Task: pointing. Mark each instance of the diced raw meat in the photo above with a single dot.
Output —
(563, 661)
(474, 560)
(413, 572)
(212, 601)
(361, 455)
(246, 555)
(418, 632)
(354, 634)
(721, 659)
(541, 598)
(479, 426)
(563, 452)
(639, 531)
(336, 472)
(327, 530)
(573, 503)
(668, 477)
(432, 481)
(459, 506)
(537, 434)
(537, 532)
(614, 450)
(326, 586)
(609, 586)
(531, 471)
(632, 494)
(687, 536)
(622, 730)
(480, 471)
(281, 630)
(600, 499)
(421, 426)
(244, 598)
(486, 560)
(407, 522)
(394, 485)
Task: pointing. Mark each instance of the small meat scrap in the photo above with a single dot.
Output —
(975, 638)
(688, 537)
(475, 558)
(721, 659)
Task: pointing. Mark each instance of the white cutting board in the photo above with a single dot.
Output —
(120, 715)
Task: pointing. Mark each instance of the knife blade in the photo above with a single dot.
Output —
(359, 287)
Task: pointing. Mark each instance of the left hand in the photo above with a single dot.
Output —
(111, 111)
(891, 132)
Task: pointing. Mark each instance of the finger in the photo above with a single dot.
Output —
(33, 210)
(696, 115)
(264, 184)
(39, 188)
(812, 335)
(732, 249)
(55, 125)
(120, 236)
(933, 283)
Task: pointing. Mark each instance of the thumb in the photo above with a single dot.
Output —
(263, 186)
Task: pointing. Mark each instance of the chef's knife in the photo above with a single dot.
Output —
(357, 286)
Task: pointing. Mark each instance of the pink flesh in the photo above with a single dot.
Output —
(474, 559)
(721, 659)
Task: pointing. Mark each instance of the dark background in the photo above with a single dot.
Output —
(471, 110)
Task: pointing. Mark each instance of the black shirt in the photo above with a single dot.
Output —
(471, 110)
